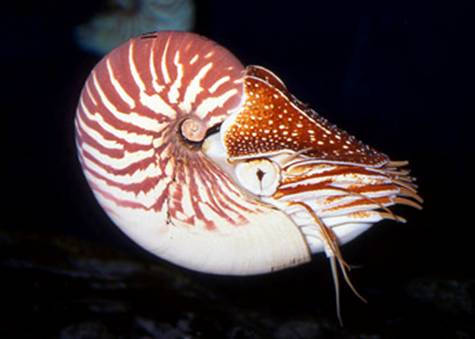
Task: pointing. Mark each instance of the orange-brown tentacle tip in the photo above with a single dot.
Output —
(392, 216)
(398, 163)
(408, 202)
(193, 130)
(411, 194)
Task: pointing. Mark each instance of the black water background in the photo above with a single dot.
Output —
(398, 75)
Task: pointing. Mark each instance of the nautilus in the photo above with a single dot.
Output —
(218, 168)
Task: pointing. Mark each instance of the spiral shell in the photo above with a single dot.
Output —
(142, 116)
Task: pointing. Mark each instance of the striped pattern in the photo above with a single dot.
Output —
(128, 131)
(333, 190)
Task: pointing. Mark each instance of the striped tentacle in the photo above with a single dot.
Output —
(334, 190)
(334, 202)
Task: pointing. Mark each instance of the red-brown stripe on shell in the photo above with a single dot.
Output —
(132, 105)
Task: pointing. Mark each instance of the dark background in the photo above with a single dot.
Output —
(399, 75)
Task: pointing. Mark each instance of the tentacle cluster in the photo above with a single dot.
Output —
(331, 185)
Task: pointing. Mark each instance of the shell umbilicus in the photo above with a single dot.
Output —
(217, 167)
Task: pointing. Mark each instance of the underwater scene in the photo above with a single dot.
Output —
(214, 169)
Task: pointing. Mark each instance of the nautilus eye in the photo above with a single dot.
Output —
(259, 176)
(217, 167)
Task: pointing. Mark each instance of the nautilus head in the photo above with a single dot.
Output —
(217, 167)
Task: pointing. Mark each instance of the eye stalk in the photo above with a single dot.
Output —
(259, 176)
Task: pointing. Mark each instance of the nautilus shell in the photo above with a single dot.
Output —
(217, 167)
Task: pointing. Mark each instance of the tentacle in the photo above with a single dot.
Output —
(333, 252)
(336, 284)
(407, 202)
(398, 163)
(360, 195)
(294, 156)
(411, 194)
